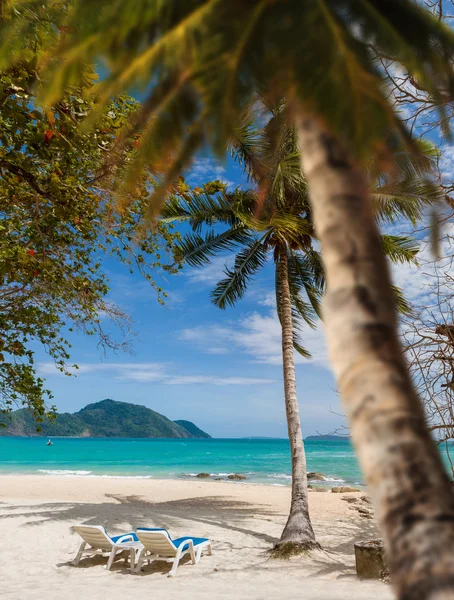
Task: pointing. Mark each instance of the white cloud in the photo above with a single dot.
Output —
(211, 273)
(418, 282)
(209, 380)
(268, 299)
(207, 169)
(151, 372)
(447, 163)
(259, 336)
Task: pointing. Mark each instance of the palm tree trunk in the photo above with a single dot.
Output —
(298, 530)
(411, 493)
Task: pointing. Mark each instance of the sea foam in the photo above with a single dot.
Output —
(63, 472)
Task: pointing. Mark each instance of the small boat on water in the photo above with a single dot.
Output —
(49, 443)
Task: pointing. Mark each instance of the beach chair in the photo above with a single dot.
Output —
(158, 545)
(100, 542)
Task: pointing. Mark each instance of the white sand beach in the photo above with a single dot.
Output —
(243, 521)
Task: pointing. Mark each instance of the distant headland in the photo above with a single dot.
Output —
(106, 418)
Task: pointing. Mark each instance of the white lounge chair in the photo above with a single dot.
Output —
(158, 545)
(99, 542)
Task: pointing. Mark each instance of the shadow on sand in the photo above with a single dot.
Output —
(122, 512)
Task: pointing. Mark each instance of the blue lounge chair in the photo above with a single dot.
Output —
(158, 545)
(100, 542)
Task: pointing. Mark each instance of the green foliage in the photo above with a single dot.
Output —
(247, 262)
(193, 429)
(206, 58)
(59, 219)
(105, 419)
(409, 188)
(400, 249)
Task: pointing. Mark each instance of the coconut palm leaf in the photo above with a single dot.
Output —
(246, 143)
(197, 250)
(402, 304)
(400, 249)
(409, 188)
(199, 209)
(296, 318)
(404, 198)
(290, 226)
(288, 177)
(247, 262)
(313, 261)
(301, 272)
(200, 62)
(405, 164)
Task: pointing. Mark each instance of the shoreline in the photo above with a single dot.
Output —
(316, 484)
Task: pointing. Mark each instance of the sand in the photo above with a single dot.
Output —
(243, 521)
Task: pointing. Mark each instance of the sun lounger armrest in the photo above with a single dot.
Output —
(127, 537)
(185, 544)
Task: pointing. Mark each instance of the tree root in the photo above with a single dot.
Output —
(284, 550)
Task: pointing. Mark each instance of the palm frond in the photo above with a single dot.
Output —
(199, 62)
(300, 348)
(197, 250)
(406, 165)
(409, 187)
(288, 177)
(296, 318)
(403, 306)
(246, 143)
(405, 198)
(302, 275)
(247, 262)
(400, 249)
(200, 209)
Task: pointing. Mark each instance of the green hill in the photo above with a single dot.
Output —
(193, 429)
(107, 418)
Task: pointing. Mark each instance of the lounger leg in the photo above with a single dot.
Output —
(176, 562)
(198, 554)
(132, 558)
(111, 558)
(140, 560)
(200, 550)
(79, 554)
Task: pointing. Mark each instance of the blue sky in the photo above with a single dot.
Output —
(220, 369)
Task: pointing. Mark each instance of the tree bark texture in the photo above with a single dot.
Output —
(411, 493)
(298, 529)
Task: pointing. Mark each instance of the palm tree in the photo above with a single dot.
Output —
(298, 271)
(204, 59)
(281, 226)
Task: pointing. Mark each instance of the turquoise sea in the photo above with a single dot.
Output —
(261, 460)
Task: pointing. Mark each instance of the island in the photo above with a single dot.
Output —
(107, 418)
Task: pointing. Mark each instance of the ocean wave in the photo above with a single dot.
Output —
(68, 472)
(210, 474)
(125, 476)
(63, 472)
(327, 478)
